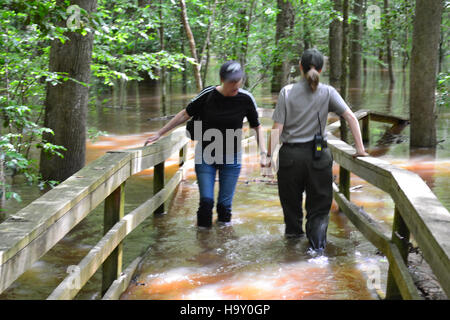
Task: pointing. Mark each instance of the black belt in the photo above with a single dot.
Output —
(309, 144)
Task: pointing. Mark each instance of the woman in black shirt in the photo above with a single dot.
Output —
(222, 110)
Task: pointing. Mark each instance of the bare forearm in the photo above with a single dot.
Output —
(260, 140)
(180, 118)
(274, 138)
(355, 130)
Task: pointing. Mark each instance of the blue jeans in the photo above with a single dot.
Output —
(228, 176)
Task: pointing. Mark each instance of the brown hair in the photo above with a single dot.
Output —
(312, 76)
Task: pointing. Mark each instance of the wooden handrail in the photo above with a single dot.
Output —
(30, 233)
(425, 216)
(33, 231)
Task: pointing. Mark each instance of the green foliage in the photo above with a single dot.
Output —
(125, 36)
(128, 46)
(26, 29)
(443, 85)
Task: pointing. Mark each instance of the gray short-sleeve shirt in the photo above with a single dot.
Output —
(297, 109)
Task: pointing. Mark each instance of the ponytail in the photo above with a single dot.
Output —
(312, 76)
(312, 63)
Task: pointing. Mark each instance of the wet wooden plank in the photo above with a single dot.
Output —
(121, 283)
(97, 255)
(70, 202)
(21, 260)
(24, 226)
(403, 279)
(113, 212)
(427, 220)
(385, 118)
(361, 220)
(373, 170)
(372, 231)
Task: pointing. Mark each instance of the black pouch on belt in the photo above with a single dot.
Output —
(318, 146)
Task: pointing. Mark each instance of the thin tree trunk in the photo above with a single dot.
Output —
(388, 37)
(285, 23)
(355, 43)
(162, 79)
(245, 29)
(335, 45)
(423, 72)
(190, 36)
(307, 42)
(204, 57)
(184, 73)
(66, 103)
(364, 32)
(343, 91)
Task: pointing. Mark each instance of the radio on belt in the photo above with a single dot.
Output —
(318, 141)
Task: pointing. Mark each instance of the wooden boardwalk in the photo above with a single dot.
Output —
(30, 233)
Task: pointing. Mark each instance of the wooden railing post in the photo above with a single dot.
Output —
(158, 184)
(183, 155)
(344, 174)
(344, 182)
(400, 237)
(113, 212)
(366, 128)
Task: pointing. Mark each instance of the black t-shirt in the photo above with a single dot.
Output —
(219, 112)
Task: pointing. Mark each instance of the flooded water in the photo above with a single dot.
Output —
(250, 259)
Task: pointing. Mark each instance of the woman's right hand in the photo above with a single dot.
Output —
(360, 153)
(152, 139)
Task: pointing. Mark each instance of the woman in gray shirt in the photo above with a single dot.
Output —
(305, 162)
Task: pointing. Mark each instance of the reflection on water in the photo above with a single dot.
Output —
(250, 259)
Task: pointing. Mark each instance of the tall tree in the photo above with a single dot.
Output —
(423, 72)
(285, 24)
(66, 103)
(388, 39)
(162, 79)
(343, 91)
(205, 55)
(190, 36)
(355, 43)
(335, 45)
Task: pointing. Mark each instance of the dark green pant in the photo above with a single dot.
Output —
(298, 172)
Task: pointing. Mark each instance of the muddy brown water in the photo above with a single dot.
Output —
(250, 259)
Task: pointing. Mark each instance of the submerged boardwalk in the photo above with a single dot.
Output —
(34, 230)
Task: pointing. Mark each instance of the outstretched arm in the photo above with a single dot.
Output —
(180, 118)
(274, 139)
(353, 123)
(261, 141)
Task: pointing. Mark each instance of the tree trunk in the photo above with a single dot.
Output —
(185, 71)
(246, 31)
(343, 91)
(388, 37)
(335, 45)
(66, 103)
(355, 43)
(307, 41)
(423, 72)
(162, 79)
(285, 23)
(204, 57)
(190, 36)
